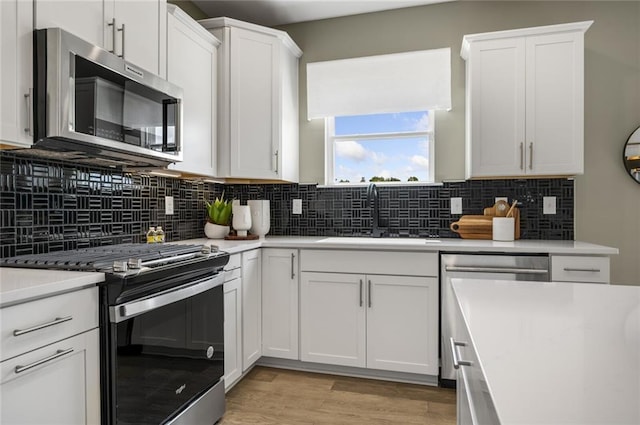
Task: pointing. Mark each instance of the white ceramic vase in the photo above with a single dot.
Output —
(241, 219)
(216, 231)
(260, 217)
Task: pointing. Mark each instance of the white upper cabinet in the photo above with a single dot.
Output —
(525, 101)
(133, 29)
(192, 58)
(16, 72)
(257, 101)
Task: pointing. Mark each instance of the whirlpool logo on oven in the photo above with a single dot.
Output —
(181, 388)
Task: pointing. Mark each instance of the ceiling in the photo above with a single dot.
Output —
(280, 12)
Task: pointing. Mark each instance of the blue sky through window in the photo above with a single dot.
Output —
(400, 158)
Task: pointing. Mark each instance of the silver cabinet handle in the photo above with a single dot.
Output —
(521, 155)
(57, 321)
(293, 273)
(369, 291)
(276, 156)
(454, 353)
(360, 292)
(513, 270)
(572, 269)
(28, 99)
(531, 156)
(122, 29)
(112, 24)
(59, 353)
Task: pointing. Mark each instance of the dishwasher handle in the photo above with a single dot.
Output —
(510, 270)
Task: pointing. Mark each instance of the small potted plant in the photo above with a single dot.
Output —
(218, 218)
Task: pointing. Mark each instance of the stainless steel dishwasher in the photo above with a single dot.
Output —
(478, 266)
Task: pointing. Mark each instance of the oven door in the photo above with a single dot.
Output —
(166, 352)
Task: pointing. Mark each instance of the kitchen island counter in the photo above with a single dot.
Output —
(556, 353)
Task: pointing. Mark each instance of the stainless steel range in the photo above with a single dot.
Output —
(161, 329)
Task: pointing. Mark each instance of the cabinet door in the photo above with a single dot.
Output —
(402, 324)
(332, 318)
(84, 19)
(254, 104)
(288, 166)
(192, 65)
(64, 390)
(251, 308)
(496, 108)
(232, 332)
(16, 71)
(280, 303)
(555, 104)
(140, 32)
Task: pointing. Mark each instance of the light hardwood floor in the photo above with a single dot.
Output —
(284, 397)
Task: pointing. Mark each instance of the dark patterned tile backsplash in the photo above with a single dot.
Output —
(411, 211)
(51, 206)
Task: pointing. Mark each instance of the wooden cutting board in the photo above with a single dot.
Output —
(474, 227)
(481, 226)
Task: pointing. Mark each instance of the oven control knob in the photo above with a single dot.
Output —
(134, 263)
(209, 352)
(119, 266)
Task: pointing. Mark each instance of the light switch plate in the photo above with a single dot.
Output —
(296, 206)
(502, 198)
(168, 205)
(456, 205)
(549, 205)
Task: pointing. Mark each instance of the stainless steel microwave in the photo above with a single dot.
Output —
(91, 106)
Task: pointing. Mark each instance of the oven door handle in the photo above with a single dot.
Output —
(135, 308)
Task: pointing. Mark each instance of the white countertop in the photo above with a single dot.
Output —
(21, 285)
(411, 244)
(556, 353)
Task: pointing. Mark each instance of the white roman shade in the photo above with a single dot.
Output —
(410, 81)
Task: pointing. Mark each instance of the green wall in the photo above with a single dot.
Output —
(607, 200)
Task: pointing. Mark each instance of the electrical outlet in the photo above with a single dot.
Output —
(296, 206)
(549, 205)
(502, 198)
(456, 205)
(168, 205)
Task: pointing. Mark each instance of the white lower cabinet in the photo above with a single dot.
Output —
(474, 402)
(50, 369)
(251, 308)
(402, 324)
(386, 320)
(589, 269)
(280, 303)
(232, 331)
(332, 319)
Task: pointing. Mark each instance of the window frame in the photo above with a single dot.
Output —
(329, 151)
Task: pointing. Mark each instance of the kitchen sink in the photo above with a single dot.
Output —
(380, 241)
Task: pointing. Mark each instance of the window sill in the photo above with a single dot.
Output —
(381, 184)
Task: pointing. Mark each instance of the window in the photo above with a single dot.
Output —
(393, 147)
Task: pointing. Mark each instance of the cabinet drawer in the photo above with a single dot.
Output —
(235, 262)
(65, 315)
(370, 262)
(565, 268)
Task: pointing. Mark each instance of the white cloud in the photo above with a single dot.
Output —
(423, 123)
(378, 157)
(351, 150)
(420, 161)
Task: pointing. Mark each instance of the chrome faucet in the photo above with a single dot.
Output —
(372, 200)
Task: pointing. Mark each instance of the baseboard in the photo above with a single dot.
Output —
(383, 375)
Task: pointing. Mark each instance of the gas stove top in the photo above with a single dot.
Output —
(124, 259)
